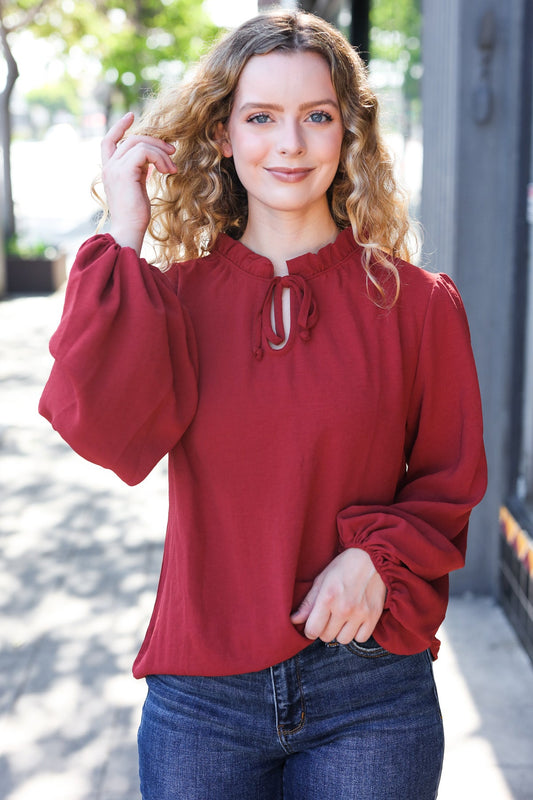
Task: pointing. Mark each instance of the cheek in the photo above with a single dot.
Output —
(335, 147)
(327, 148)
(330, 162)
(247, 155)
(249, 150)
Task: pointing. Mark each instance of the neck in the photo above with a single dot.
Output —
(281, 237)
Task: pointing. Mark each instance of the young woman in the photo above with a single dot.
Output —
(318, 400)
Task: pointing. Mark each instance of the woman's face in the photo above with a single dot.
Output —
(285, 133)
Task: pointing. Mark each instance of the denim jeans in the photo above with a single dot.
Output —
(335, 722)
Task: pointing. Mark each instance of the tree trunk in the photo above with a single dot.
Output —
(8, 208)
(8, 222)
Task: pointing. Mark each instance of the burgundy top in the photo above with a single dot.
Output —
(364, 431)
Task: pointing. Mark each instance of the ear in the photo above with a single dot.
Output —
(223, 141)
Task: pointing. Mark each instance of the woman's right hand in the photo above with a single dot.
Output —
(125, 166)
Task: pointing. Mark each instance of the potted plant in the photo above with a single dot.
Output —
(33, 268)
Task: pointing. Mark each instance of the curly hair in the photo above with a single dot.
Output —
(205, 197)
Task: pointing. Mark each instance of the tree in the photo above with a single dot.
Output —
(60, 96)
(136, 43)
(395, 36)
(13, 17)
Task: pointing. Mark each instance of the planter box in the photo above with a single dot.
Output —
(37, 275)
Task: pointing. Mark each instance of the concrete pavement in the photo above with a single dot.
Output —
(80, 555)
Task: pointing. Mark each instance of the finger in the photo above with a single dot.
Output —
(306, 606)
(330, 632)
(115, 134)
(317, 623)
(152, 155)
(140, 155)
(136, 161)
(365, 632)
(140, 139)
(163, 164)
(300, 616)
(347, 633)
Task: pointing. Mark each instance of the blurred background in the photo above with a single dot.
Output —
(79, 552)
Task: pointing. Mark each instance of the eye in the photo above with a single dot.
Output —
(320, 116)
(259, 118)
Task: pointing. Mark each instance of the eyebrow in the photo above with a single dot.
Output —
(275, 107)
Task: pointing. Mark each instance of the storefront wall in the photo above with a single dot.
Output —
(477, 133)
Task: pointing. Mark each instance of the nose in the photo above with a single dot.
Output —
(291, 140)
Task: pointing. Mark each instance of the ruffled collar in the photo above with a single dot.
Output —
(306, 265)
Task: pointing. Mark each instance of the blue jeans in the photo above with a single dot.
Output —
(335, 722)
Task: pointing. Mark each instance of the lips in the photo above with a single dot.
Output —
(288, 174)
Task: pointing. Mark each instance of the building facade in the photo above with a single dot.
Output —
(478, 222)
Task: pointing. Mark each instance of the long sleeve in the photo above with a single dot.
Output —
(123, 387)
(417, 539)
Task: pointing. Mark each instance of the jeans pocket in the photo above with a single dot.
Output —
(368, 649)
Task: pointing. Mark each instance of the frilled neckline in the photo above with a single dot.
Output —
(306, 264)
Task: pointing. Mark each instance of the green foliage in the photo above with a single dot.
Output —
(59, 96)
(15, 13)
(136, 43)
(395, 33)
(15, 246)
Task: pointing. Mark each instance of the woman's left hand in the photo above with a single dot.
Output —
(345, 601)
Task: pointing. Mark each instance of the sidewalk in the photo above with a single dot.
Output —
(80, 557)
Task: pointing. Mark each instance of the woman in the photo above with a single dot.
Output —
(318, 400)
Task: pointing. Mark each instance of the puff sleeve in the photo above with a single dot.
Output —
(123, 387)
(416, 540)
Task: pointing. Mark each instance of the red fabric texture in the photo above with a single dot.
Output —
(364, 430)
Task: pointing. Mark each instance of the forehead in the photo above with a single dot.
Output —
(278, 72)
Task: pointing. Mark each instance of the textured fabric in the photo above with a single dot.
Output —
(350, 722)
(364, 430)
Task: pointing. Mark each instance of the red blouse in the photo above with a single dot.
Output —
(364, 430)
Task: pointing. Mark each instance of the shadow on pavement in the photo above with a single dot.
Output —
(80, 556)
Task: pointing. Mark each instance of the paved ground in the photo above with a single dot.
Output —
(80, 555)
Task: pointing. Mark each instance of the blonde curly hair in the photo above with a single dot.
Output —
(205, 196)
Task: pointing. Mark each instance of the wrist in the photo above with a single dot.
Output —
(127, 237)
